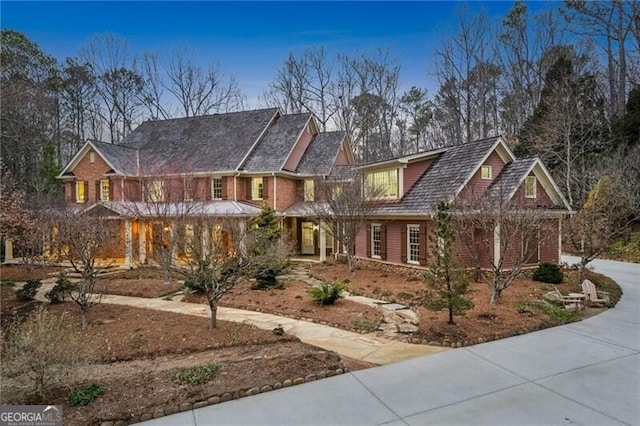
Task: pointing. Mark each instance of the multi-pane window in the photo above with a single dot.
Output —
(155, 191)
(189, 239)
(216, 188)
(256, 188)
(104, 190)
(382, 184)
(530, 187)
(309, 190)
(486, 172)
(413, 244)
(376, 241)
(81, 192)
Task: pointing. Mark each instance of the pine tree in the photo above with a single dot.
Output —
(446, 284)
(268, 249)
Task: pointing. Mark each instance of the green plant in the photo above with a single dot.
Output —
(278, 331)
(363, 324)
(548, 273)
(7, 283)
(29, 290)
(61, 291)
(327, 293)
(558, 313)
(197, 374)
(85, 395)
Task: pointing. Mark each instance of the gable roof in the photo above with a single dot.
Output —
(274, 147)
(218, 142)
(510, 178)
(321, 154)
(445, 178)
(121, 159)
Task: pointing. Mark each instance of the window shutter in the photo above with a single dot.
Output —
(249, 195)
(383, 241)
(265, 188)
(111, 190)
(369, 240)
(224, 188)
(423, 243)
(98, 191)
(72, 193)
(86, 190)
(403, 243)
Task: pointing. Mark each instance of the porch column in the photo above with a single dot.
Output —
(8, 249)
(142, 242)
(496, 245)
(242, 226)
(127, 242)
(206, 232)
(323, 243)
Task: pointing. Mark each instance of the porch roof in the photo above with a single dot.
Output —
(306, 209)
(196, 208)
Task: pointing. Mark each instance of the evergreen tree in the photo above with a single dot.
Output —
(268, 249)
(447, 285)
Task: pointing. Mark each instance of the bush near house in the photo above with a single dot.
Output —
(548, 273)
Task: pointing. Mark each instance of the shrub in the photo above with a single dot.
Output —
(200, 279)
(29, 290)
(39, 351)
(61, 291)
(364, 324)
(327, 293)
(85, 395)
(198, 374)
(548, 273)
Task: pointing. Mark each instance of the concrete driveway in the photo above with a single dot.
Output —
(584, 373)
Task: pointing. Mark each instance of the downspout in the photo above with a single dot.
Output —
(275, 191)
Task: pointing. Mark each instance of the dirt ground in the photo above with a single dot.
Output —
(27, 272)
(140, 351)
(294, 301)
(483, 322)
(140, 282)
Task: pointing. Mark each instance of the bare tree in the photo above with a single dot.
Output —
(178, 79)
(501, 235)
(612, 205)
(346, 205)
(84, 237)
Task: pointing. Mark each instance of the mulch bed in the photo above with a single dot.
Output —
(140, 282)
(294, 301)
(27, 272)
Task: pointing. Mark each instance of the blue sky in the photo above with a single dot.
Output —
(250, 39)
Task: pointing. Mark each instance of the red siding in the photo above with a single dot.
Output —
(476, 184)
(549, 242)
(342, 159)
(298, 151)
(542, 197)
(361, 242)
(393, 241)
(413, 172)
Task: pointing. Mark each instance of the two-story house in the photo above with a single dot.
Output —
(414, 185)
(227, 164)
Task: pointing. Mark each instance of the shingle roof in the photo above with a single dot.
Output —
(443, 180)
(510, 177)
(320, 155)
(273, 149)
(122, 158)
(198, 144)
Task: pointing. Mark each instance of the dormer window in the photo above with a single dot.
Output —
(530, 187)
(486, 172)
(382, 184)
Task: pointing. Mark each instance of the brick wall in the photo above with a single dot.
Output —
(89, 172)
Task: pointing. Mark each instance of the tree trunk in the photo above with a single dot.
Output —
(83, 319)
(581, 269)
(495, 296)
(213, 306)
(451, 317)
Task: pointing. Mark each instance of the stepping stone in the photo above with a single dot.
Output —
(393, 306)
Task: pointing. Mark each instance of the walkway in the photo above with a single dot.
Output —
(585, 373)
(353, 345)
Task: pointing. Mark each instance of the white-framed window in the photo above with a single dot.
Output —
(92, 157)
(256, 188)
(104, 190)
(216, 188)
(376, 240)
(486, 172)
(383, 183)
(530, 187)
(187, 193)
(81, 191)
(155, 191)
(413, 244)
(309, 190)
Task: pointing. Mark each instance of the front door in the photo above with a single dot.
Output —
(307, 246)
